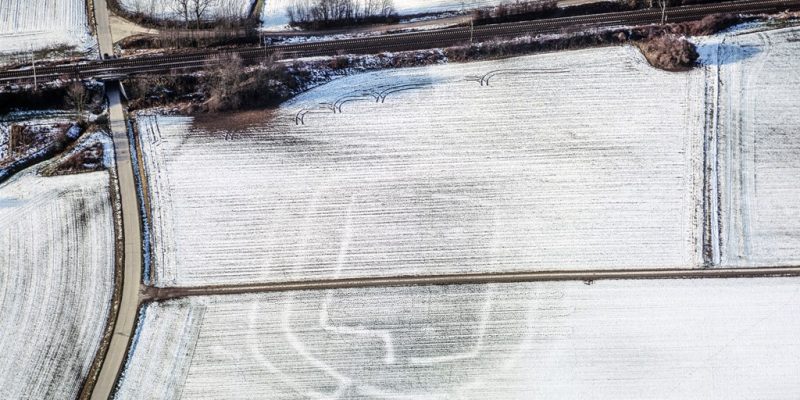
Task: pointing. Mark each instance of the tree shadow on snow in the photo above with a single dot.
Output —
(722, 53)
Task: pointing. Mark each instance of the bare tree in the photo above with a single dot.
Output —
(308, 11)
(77, 97)
(181, 8)
(200, 10)
(226, 74)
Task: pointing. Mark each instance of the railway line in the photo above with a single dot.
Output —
(116, 68)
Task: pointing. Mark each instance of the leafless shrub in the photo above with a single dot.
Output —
(77, 97)
(88, 159)
(669, 52)
(321, 14)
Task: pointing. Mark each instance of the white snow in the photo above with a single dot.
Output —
(56, 281)
(564, 161)
(168, 9)
(757, 135)
(671, 339)
(27, 25)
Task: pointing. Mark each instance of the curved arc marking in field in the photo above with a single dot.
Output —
(379, 94)
(487, 77)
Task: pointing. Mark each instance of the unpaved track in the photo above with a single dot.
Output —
(122, 28)
(588, 276)
(132, 274)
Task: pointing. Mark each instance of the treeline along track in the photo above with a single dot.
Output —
(115, 68)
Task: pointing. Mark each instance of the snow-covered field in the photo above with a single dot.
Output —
(758, 138)
(674, 339)
(56, 280)
(27, 25)
(274, 17)
(561, 161)
(169, 9)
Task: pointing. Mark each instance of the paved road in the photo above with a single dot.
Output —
(103, 29)
(132, 275)
(125, 322)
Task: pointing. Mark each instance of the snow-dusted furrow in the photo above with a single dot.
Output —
(27, 25)
(585, 159)
(674, 339)
(56, 281)
(759, 148)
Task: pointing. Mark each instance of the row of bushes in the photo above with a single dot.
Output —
(326, 14)
(54, 97)
(195, 16)
(523, 10)
(528, 10)
(225, 85)
(661, 44)
(228, 85)
(192, 39)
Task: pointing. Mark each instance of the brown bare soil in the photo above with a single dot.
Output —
(227, 122)
(89, 159)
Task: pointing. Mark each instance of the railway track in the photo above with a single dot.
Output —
(116, 68)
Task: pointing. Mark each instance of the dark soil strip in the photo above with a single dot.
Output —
(46, 153)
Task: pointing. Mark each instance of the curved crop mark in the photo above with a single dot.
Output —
(322, 108)
(379, 94)
(360, 96)
(400, 88)
(487, 77)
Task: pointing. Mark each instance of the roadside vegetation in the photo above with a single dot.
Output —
(78, 107)
(228, 84)
(225, 85)
(664, 46)
(186, 14)
(324, 14)
(523, 10)
(189, 23)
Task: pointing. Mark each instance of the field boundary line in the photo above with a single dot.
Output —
(150, 293)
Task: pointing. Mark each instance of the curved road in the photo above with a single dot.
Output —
(125, 322)
(126, 314)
